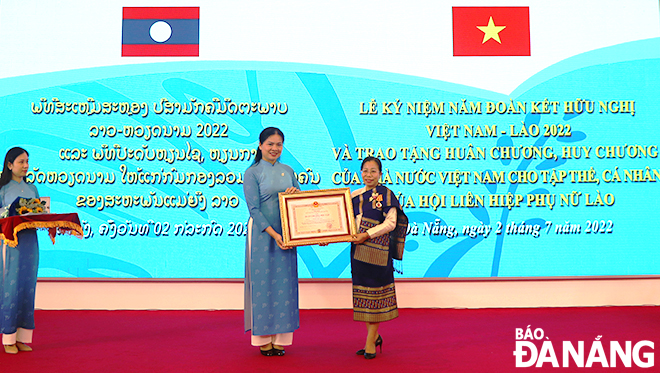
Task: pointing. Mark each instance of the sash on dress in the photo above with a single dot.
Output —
(374, 205)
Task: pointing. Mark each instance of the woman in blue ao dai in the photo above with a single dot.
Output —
(20, 263)
(271, 269)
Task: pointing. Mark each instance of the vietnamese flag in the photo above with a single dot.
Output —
(160, 31)
(491, 31)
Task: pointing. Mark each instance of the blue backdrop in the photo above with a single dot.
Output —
(557, 179)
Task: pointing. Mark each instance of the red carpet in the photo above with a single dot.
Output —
(420, 340)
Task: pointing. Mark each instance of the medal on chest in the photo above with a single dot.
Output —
(375, 196)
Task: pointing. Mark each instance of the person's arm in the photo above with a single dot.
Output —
(277, 237)
(294, 181)
(253, 200)
(383, 228)
(3, 209)
(386, 226)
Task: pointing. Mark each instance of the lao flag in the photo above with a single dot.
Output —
(491, 31)
(160, 31)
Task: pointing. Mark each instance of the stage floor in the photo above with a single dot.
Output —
(420, 340)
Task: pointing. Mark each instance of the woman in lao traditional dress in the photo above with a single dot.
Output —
(20, 263)
(271, 269)
(381, 236)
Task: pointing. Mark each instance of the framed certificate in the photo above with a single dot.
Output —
(318, 216)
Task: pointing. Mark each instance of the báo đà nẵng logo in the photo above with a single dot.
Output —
(580, 354)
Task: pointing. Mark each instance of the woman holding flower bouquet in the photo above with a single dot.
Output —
(381, 236)
(20, 263)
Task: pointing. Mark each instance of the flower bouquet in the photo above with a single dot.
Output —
(23, 206)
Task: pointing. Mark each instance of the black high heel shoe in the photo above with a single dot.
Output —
(379, 342)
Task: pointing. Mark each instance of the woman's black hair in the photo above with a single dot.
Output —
(374, 159)
(11, 156)
(263, 136)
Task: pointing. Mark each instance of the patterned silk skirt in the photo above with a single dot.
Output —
(374, 298)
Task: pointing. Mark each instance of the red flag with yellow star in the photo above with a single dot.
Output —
(491, 31)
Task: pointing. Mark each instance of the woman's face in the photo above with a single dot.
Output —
(370, 174)
(19, 168)
(271, 149)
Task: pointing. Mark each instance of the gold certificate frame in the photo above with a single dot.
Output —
(317, 216)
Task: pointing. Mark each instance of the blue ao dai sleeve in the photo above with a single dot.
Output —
(2, 200)
(294, 180)
(253, 200)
